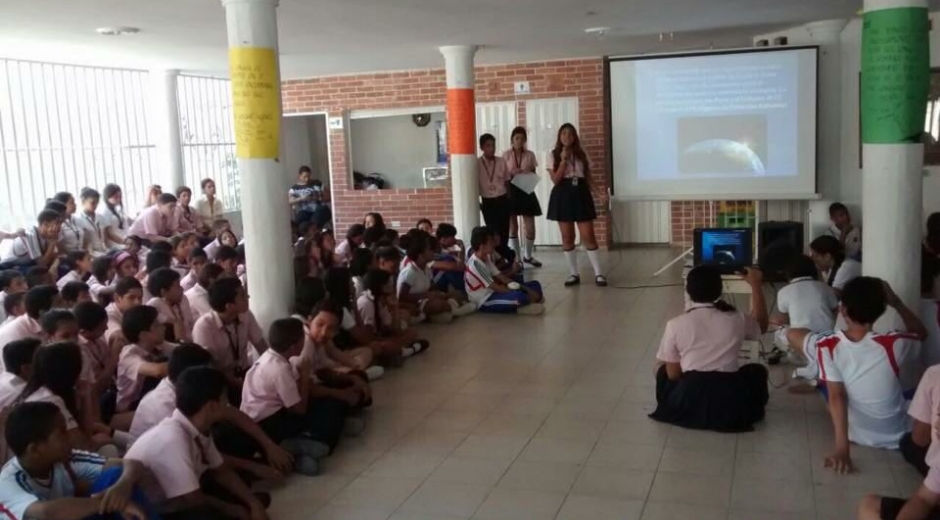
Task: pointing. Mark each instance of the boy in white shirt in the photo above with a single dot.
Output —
(198, 295)
(11, 281)
(197, 261)
(490, 290)
(415, 285)
(862, 370)
(81, 266)
(842, 228)
(18, 361)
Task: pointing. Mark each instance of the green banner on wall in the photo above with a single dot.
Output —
(895, 75)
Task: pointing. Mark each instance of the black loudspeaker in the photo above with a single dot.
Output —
(779, 242)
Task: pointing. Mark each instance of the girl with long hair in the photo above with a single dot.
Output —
(187, 218)
(113, 216)
(837, 270)
(571, 202)
(521, 161)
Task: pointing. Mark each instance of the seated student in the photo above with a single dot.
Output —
(228, 259)
(39, 245)
(363, 260)
(94, 227)
(229, 331)
(11, 282)
(74, 293)
(388, 259)
(181, 245)
(18, 360)
(374, 219)
(197, 260)
(168, 299)
(425, 225)
(238, 437)
(446, 235)
(141, 365)
(378, 310)
(38, 275)
(837, 270)
(48, 480)
(191, 477)
(80, 261)
(371, 236)
(489, 290)
(59, 326)
(915, 444)
(276, 396)
(37, 301)
(99, 361)
(447, 268)
(805, 303)
(198, 295)
(128, 293)
(355, 236)
(849, 236)
(391, 237)
(224, 237)
(699, 384)
(102, 276)
(127, 265)
(414, 284)
(156, 223)
(14, 306)
(863, 370)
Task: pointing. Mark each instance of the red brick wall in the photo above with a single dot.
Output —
(337, 95)
(688, 215)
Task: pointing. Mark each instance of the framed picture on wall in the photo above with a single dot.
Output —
(436, 177)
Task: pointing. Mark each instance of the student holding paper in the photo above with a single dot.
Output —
(521, 161)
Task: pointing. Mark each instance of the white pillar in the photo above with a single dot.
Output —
(165, 115)
(462, 136)
(827, 34)
(894, 72)
(256, 89)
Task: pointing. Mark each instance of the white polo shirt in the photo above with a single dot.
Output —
(28, 247)
(71, 235)
(156, 406)
(848, 271)
(70, 276)
(93, 227)
(21, 327)
(270, 385)
(366, 306)
(19, 490)
(11, 386)
(418, 279)
(811, 304)
(44, 395)
(198, 298)
(478, 278)
(870, 369)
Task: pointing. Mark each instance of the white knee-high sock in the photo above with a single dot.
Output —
(526, 247)
(514, 245)
(572, 258)
(595, 261)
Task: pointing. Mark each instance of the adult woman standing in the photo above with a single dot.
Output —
(209, 208)
(520, 161)
(571, 202)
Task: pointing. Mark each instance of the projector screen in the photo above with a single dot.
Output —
(714, 125)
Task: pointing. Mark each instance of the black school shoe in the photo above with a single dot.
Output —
(572, 281)
(532, 261)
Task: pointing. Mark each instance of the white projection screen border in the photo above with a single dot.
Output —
(778, 115)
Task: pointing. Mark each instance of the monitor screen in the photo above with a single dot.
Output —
(728, 248)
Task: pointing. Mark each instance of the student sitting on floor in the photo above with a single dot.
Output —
(699, 384)
(168, 299)
(197, 261)
(363, 260)
(378, 311)
(128, 293)
(141, 366)
(182, 245)
(127, 265)
(276, 395)
(48, 480)
(198, 296)
(228, 259)
(102, 276)
(18, 360)
(74, 293)
(447, 267)
(490, 290)
(37, 301)
(916, 444)
(11, 282)
(414, 283)
(14, 306)
(354, 238)
(837, 270)
(80, 261)
(192, 480)
(849, 235)
(862, 370)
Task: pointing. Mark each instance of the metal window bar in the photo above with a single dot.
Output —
(64, 127)
(208, 139)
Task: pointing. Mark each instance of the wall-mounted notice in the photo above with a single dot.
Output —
(257, 110)
(895, 74)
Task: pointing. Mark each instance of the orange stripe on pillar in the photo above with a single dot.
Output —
(461, 121)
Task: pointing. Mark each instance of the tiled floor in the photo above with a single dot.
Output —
(544, 418)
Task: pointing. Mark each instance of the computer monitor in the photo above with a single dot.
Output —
(729, 249)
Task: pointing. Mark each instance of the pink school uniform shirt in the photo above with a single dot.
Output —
(520, 163)
(21, 327)
(706, 339)
(115, 316)
(186, 220)
(493, 176)
(169, 313)
(270, 386)
(198, 298)
(129, 381)
(152, 222)
(229, 344)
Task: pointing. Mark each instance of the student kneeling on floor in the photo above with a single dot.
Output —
(699, 383)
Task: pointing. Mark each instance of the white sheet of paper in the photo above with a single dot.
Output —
(526, 181)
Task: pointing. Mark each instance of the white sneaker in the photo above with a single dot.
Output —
(462, 310)
(375, 372)
(532, 309)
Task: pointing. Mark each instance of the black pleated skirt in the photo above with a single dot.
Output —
(570, 203)
(522, 203)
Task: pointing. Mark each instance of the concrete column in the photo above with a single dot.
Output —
(895, 76)
(256, 93)
(827, 35)
(461, 136)
(165, 115)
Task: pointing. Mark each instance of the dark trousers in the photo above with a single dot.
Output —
(914, 454)
(323, 422)
(208, 486)
(496, 213)
(232, 441)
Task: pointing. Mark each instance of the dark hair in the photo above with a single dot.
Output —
(372, 235)
(54, 319)
(326, 260)
(837, 207)
(7, 277)
(223, 292)
(704, 285)
(56, 367)
(209, 274)
(11, 301)
(864, 299)
(178, 239)
(390, 235)
(184, 356)
(337, 282)
(197, 253)
(74, 257)
(205, 182)
(304, 169)
(36, 276)
(361, 262)
(330, 307)
(388, 253)
(30, 423)
(487, 138)
(161, 280)
(419, 243)
(49, 215)
(519, 130)
(100, 267)
(226, 253)
(355, 230)
(575, 149)
(17, 354)
(424, 221)
(166, 198)
(285, 333)
(138, 320)
(72, 290)
(308, 293)
(89, 193)
(163, 246)
(90, 315)
(39, 299)
(801, 266)
(480, 236)
(157, 260)
(198, 386)
(183, 189)
(377, 217)
(829, 245)
(375, 281)
(63, 197)
(126, 285)
(135, 239)
(445, 230)
(55, 206)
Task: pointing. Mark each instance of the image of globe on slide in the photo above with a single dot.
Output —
(723, 146)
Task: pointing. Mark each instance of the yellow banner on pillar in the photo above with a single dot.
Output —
(256, 108)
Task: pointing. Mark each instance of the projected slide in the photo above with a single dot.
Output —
(715, 124)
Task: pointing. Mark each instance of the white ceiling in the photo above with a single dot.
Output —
(320, 37)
